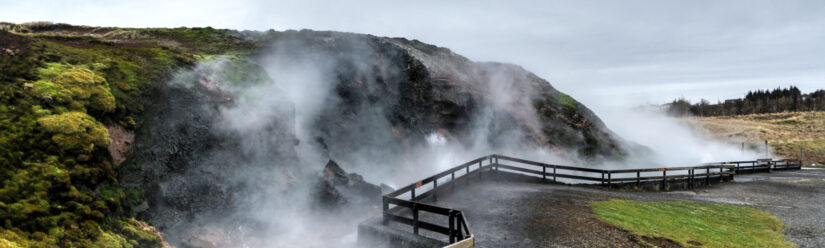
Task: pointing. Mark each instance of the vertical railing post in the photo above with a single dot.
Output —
(609, 179)
(452, 226)
(415, 217)
(554, 173)
(457, 226)
(693, 177)
(435, 189)
(460, 220)
(467, 175)
(544, 172)
(664, 179)
(638, 179)
(452, 179)
(479, 168)
(690, 179)
(412, 192)
(707, 176)
(386, 207)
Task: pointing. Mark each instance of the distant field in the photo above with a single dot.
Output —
(786, 132)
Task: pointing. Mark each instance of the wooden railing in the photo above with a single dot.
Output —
(764, 165)
(611, 177)
(786, 164)
(458, 228)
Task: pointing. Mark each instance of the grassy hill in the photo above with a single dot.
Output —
(786, 132)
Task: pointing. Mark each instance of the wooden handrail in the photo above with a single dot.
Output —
(459, 229)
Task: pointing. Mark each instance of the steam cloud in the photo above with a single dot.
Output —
(286, 126)
(673, 141)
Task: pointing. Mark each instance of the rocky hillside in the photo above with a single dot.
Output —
(197, 130)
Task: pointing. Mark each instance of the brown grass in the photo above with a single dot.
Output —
(786, 132)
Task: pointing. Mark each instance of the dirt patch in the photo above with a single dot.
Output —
(11, 45)
(146, 227)
(122, 140)
(694, 243)
(661, 242)
(572, 222)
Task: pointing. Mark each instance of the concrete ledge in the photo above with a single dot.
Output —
(372, 233)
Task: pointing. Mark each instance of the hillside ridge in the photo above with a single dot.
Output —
(95, 134)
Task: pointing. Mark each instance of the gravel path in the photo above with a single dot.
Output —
(524, 213)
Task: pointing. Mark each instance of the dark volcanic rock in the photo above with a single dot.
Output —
(195, 169)
(377, 98)
(337, 189)
(396, 92)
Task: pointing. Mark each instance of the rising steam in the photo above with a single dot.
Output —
(334, 96)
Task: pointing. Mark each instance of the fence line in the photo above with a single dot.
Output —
(458, 229)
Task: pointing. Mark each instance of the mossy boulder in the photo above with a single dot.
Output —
(77, 87)
(76, 131)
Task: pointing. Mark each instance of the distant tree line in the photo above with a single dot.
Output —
(755, 102)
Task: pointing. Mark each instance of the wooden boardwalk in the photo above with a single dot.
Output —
(399, 209)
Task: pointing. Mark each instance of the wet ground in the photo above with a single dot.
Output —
(525, 213)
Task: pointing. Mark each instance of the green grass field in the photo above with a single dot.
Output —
(695, 224)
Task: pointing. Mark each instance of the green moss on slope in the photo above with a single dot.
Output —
(76, 131)
(58, 187)
(202, 40)
(567, 101)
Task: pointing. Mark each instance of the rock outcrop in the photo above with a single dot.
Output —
(222, 140)
(338, 189)
(216, 136)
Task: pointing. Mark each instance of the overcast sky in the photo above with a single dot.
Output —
(601, 52)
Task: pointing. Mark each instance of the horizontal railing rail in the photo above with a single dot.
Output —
(458, 229)
(787, 164)
(609, 177)
(765, 165)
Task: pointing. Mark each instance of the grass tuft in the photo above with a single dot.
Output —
(567, 101)
(690, 223)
